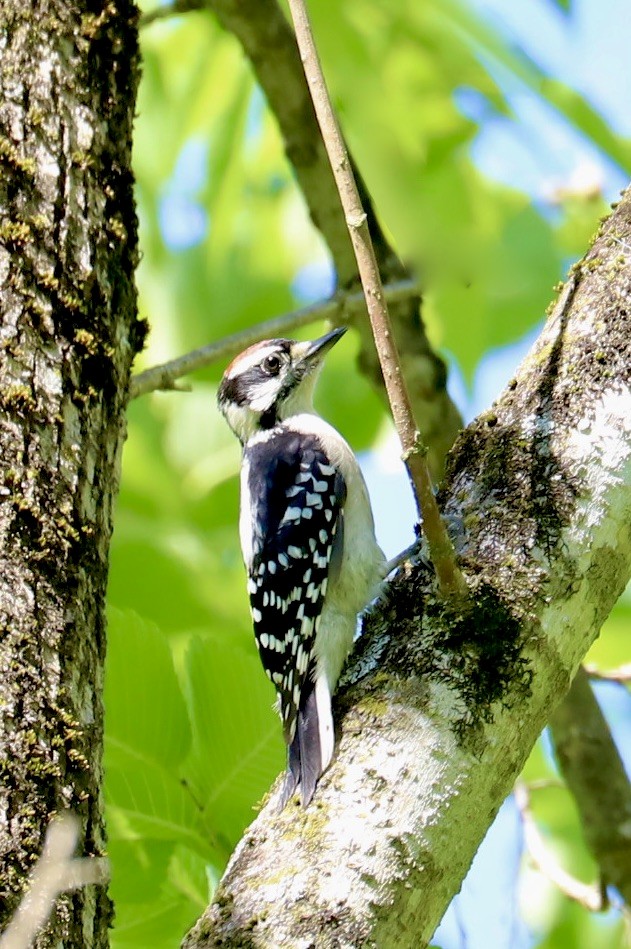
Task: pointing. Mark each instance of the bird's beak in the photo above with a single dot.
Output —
(313, 352)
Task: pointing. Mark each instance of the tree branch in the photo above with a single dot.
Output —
(337, 310)
(622, 674)
(440, 709)
(595, 774)
(593, 898)
(56, 871)
(441, 550)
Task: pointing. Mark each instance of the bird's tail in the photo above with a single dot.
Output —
(311, 749)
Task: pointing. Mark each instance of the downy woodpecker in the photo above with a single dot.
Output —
(307, 536)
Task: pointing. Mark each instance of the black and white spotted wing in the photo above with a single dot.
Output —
(290, 547)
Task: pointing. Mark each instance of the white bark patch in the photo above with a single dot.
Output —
(598, 448)
(603, 437)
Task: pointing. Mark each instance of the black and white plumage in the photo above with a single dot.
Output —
(307, 537)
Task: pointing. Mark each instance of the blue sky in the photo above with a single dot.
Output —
(535, 151)
(589, 49)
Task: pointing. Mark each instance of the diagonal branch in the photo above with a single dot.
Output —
(339, 309)
(593, 898)
(56, 871)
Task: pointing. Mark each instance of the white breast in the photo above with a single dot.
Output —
(363, 561)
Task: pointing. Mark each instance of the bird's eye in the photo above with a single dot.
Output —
(271, 364)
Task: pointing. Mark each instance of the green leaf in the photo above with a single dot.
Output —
(237, 738)
(497, 284)
(191, 877)
(155, 580)
(161, 850)
(611, 649)
(146, 716)
(567, 101)
(587, 120)
(147, 738)
(160, 924)
(138, 869)
(146, 801)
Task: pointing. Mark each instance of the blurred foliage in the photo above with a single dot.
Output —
(192, 741)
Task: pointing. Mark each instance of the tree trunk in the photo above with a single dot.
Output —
(443, 704)
(68, 334)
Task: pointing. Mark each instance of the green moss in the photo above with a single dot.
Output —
(78, 759)
(18, 398)
(81, 160)
(48, 281)
(87, 340)
(118, 229)
(372, 705)
(65, 529)
(588, 265)
(35, 117)
(71, 301)
(485, 653)
(15, 233)
(474, 647)
(10, 156)
(92, 24)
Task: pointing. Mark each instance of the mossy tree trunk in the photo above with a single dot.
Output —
(68, 333)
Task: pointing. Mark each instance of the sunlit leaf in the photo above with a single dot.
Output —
(139, 671)
(237, 737)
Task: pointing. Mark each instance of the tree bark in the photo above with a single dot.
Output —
(68, 334)
(441, 709)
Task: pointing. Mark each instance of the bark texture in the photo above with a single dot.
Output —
(269, 43)
(68, 333)
(443, 705)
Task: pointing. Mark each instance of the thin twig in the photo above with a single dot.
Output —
(335, 310)
(592, 898)
(56, 871)
(621, 674)
(414, 452)
(545, 784)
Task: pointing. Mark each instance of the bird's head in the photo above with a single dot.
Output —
(271, 381)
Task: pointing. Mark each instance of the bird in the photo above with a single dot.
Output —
(308, 540)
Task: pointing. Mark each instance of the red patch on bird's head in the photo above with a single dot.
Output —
(244, 353)
(253, 354)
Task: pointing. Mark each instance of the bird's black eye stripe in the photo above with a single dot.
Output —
(271, 364)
